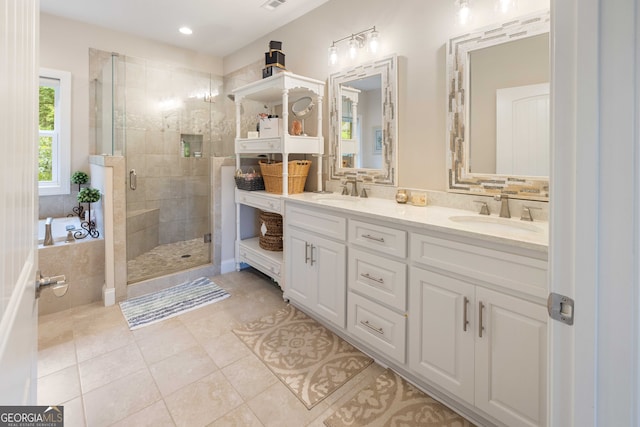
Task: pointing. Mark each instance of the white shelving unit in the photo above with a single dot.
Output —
(273, 91)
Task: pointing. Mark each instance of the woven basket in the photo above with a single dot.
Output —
(271, 231)
(271, 243)
(272, 222)
(272, 175)
(249, 180)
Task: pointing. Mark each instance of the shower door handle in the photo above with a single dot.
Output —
(133, 179)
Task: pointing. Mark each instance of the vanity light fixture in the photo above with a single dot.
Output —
(464, 11)
(369, 38)
(186, 31)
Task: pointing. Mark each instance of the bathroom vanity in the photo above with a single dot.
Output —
(453, 301)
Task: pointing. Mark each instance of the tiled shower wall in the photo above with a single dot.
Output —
(155, 104)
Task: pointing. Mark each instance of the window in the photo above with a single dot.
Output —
(54, 142)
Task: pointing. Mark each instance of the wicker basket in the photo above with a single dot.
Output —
(272, 222)
(249, 181)
(271, 235)
(272, 174)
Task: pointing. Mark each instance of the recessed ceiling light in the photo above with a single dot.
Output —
(186, 30)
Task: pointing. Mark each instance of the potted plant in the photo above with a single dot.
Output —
(79, 178)
(88, 195)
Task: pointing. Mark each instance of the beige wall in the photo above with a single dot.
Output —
(416, 30)
(64, 45)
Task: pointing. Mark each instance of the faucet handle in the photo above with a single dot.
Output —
(484, 208)
(363, 193)
(526, 213)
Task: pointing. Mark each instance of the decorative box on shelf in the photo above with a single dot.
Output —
(270, 127)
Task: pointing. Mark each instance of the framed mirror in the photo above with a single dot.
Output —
(363, 121)
(498, 109)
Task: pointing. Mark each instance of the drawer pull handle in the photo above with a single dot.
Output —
(311, 252)
(370, 237)
(368, 276)
(373, 328)
(306, 252)
(480, 325)
(465, 320)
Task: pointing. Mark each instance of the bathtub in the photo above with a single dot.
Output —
(59, 228)
(82, 262)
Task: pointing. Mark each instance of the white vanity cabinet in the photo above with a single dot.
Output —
(277, 90)
(316, 262)
(480, 344)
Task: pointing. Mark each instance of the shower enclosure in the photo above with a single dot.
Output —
(163, 120)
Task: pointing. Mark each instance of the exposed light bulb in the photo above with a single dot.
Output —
(353, 48)
(333, 55)
(186, 31)
(505, 6)
(464, 13)
(374, 41)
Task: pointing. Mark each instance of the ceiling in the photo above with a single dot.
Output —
(220, 27)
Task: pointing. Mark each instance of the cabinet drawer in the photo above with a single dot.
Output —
(516, 272)
(259, 200)
(316, 221)
(249, 252)
(378, 278)
(259, 145)
(383, 239)
(381, 328)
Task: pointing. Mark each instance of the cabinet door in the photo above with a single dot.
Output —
(300, 281)
(442, 345)
(329, 263)
(511, 359)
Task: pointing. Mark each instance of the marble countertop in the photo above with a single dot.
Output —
(510, 231)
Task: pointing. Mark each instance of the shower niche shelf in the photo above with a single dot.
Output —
(190, 145)
(280, 91)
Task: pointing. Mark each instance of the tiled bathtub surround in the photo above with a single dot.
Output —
(82, 262)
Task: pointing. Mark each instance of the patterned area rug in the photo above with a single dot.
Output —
(309, 359)
(152, 308)
(391, 401)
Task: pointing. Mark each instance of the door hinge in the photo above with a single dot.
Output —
(560, 308)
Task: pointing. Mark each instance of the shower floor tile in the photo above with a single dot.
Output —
(167, 259)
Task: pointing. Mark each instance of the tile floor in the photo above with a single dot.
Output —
(168, 258)
(190, 370)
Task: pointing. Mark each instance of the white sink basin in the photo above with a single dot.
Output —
(491, 224)
(336, 200)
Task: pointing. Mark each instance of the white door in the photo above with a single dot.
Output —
(300, 281)
(522, 130)
(442, 312)
(18, 192)
(329, 261)
(511, 359)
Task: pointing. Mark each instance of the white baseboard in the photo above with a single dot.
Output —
(227, 266)
(108, 296)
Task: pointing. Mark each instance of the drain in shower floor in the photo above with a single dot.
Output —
(185, 256)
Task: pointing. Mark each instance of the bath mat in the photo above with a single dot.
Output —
(391, 401)
(152, 308)
(309, 359)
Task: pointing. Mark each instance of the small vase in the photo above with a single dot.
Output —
(402, 196)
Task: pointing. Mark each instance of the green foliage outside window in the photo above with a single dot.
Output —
(46, 120)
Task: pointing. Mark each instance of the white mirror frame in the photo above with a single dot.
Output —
(458, 49)
(387, 68)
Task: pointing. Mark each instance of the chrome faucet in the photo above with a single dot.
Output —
(48, 238)
(504, 206)
(354, 186)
